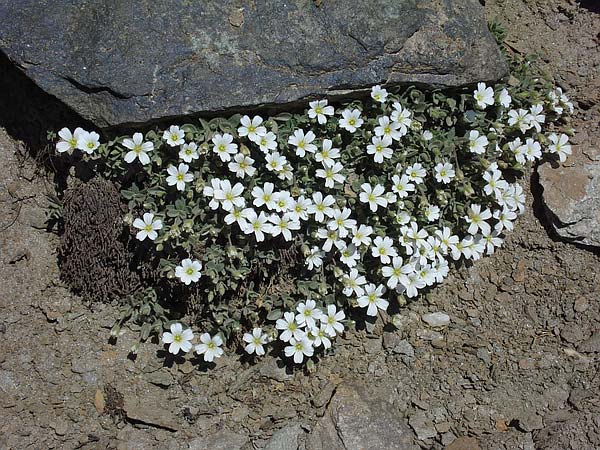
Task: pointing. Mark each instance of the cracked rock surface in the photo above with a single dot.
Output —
(121, 62)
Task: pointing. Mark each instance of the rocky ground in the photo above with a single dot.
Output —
(514, 365)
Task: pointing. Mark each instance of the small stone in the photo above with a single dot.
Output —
(581, 304)
(390, 340)
(442, 427)
(223, 440)
(404, 348)
(436, 319)
(99, 401)
(271, 368)
(448, 438)
(530, 421)
(464, 443)
(60, 427)
(285, 438)
(422, 426)
(572, 334)
(501, 425)
(591, 345)
(160, 378)
(372, 345)
(527, 363)
(429, 335)
(484, 355)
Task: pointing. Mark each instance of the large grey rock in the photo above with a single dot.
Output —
(117, 62)
(572, 194)
(355, 422)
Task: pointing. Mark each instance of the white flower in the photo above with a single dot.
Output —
(137, 149)
(351, 120)
(289, 327)
(264, 196)
(349, 254)
(518, 150)
(341, 222)
(178, 338)
(327, 154)
(286, 172)
(189, 152)
(427, 135)
(402, 185)
(332, 321)
(414, 282)
(331, 174)
(491, 241)
(380, 148)
(444, 173)
(483, 95)
(283, 225)
(88, 142)
(560, 146)
(397, 272)
(495, 184)
(320, 110)
(415, 173)
(303, 142)
(238, 215)
(319, 337)
(477, 143)
(267, 142)
(283, 201)
(446, 238)
(388, 128)
(321, 206)
(223, 146)
(308, 314)
(432, 213)
(536, 118)
(379, 94)
(275, 161)
(148, 227)
(520, 119)
(178, 176)
(533, 150)
(299, 348)
(242, 165)
(210, 347)
(314, 258)
(361, 235)
(255, 341)
(252, 128)
(230, 196)
(353, 282)
(188, 271)
(372, 299)
(331, 238)
(299, 208)
(174, 136)
(68, 141)
(477, 219)
(209, 191)
(504, 98)
(257, 224)
(373, 195)
(402, 117)
(383, 248)
(505, 218)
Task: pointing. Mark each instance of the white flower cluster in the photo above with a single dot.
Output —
(309, 329)
(305, 331)
(340, 221)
